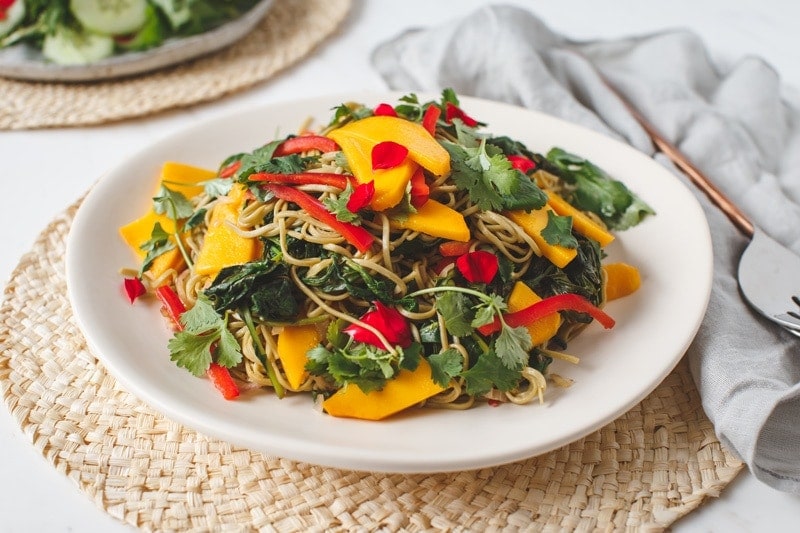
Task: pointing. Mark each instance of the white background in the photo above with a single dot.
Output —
(45, 171)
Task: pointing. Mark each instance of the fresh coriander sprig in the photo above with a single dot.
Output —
(512, 344)
(177, 207)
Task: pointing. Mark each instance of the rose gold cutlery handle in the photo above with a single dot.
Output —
(730, 209)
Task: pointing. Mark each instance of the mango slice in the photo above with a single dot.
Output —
(293, 344)
(580, 222)
(532, 223)
(437, 220)
(541, 330)
(407, 389)
(222, 245)
(622, 279)
(185, 178)
(422, 147)
(390, 183)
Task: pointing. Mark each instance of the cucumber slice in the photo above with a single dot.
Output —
(14, 15)
(69, 47)
(110, 17)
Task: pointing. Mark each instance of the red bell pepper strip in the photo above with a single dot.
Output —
(339, 181)
(430, 118)
(355, 235)
(305, 143)
(229, 170)
(172, 304)
(219, 375)
(454, 248)
(222, 380)
(521, 163)
(548, 306)
(420, 191)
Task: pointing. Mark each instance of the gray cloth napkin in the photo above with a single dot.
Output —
(735, 124)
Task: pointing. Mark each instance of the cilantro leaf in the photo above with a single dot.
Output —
(445, 365)
(559, 231)
(512, 346)
(172, 203)
(410, 356)
(158, 244)
(191, 351)
(206, 334)
(217, 187)
(456, 309)
(338, 206)
(490, 372)
(490, 180)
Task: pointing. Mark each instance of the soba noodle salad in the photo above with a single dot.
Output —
(397, 256)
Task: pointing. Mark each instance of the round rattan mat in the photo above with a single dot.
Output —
(290, 30)
(643, 471)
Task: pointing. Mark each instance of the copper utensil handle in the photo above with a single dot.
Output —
(730, 209)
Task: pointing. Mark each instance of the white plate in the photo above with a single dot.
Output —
(618, 367)
(24, 62)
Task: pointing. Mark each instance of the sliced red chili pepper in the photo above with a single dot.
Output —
(452, 111)
(420, 191)
(430, 118)
(479, 266)
(521, 163)
(172, 305)
(134, 288)
(454, 248)
(385, 110)
(223, 381)
(548, 306)
(305, 143)
(229, 170)
(388, 321)
(355, 235)
(388, 154)
(361, 197)
(339, 181)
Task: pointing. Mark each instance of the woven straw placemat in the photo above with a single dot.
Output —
(643, 471)
(290, 30)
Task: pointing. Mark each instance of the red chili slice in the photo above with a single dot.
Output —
(305, 143)
(355, 235)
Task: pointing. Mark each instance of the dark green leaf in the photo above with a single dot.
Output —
(596, 191)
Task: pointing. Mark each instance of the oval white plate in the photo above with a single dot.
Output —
(618, 367)
(27, 63)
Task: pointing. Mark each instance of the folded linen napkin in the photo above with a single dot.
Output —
(735, 124)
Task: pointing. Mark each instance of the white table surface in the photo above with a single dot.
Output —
(45, 171)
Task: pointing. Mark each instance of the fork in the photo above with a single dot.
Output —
(768, 273)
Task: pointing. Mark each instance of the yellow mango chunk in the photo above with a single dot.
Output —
(422, 147)
(437, 220)
(407, 389)
(184, 178)
(390, 183)
(223, 246)
(541, 330)
(622, 279)
(293, 344)
(532, 223)
(138, 232)
(580, 222)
